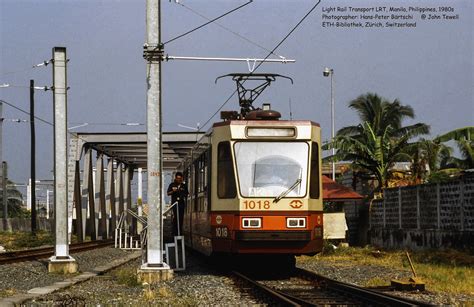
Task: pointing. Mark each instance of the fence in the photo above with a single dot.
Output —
(431, 215)
(24, 224)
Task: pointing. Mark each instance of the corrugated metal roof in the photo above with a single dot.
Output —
(333, 191)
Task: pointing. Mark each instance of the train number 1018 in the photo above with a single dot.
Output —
(257, 205)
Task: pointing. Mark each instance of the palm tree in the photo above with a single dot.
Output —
(15, 200)
(427, 157)
(380, 139)
(464, 138)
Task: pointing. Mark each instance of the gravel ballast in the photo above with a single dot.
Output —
(198, 285)
(359, 275)
(22, 276)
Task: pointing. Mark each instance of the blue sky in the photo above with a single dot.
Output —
(429, 67)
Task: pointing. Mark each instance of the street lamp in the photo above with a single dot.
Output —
(329, 72)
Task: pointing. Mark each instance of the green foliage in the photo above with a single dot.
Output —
(380, 139)
(127, 276)
(464, 139)
(22, 240)
(15, 201)
(439, 177)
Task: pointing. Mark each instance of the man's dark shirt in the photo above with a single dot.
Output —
(180, 194)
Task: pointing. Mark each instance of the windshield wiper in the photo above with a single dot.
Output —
(284, 193)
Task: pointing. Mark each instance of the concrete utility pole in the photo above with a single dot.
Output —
(2, 179)
(154, 269)
(1, 133)
(329, 72)
(32, 157)
(5, 195)
(61, 262)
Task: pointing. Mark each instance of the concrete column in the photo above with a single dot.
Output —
(47, 203)
(400, 208)
(154, 269)
(438, 205)
(119, 190)
(418, 213)
(61, 261)
(461, 200)
(78, 202)
(110, 196)
(127, 196)
(88, 197)
(100, 197)
(5, 194)
(28, 195)
(384, 212)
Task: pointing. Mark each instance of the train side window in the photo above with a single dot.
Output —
(226, 187)
(314, 191)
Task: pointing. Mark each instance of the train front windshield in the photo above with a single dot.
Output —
(267, 169)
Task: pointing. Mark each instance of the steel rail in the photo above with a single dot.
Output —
(44, 252)
(348, 292)
(278, 297)
(364, 294)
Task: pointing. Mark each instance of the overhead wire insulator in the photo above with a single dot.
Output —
(153, 53)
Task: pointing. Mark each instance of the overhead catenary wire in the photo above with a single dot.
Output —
(268, 55)
(39, 118)
(209, 22)
(26, 112)
(44, 63)
(231, 31)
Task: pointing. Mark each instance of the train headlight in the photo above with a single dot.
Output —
(251, 222)
(296, 222)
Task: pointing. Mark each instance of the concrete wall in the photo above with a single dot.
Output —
(425, 216)
(24, 224)
(357, 218)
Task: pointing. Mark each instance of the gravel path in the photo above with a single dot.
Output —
(198, 285)
(22, 276)
(346, 271)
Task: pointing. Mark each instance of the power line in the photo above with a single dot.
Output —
(231, 31)
(26, 112)
(260, 64)
(205, 24)
(16, 71)
(44, 63)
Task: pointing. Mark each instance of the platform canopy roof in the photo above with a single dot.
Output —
(131, 147)
(333, 191)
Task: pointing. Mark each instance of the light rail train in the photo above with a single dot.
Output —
(255, 182)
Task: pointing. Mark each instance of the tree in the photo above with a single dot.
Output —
(380, 139)
(464, 139)
(15, 201)
(427, 158)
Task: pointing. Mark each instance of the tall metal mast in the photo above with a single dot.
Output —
(154, 269)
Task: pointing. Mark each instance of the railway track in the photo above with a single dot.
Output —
(306, 288)
(41, 253)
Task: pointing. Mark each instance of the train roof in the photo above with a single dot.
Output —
(267, 122)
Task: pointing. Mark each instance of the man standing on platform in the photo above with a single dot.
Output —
(178, 192)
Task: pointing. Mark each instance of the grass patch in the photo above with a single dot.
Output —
(376, 282)
(447, 278)
(7, 292)
(19, 240)
(163, 294)
(127, 276)
(447, 271)
(22, 240)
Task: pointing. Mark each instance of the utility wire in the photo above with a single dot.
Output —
(16, 71)
(231, 31)
(44, 63)
(39, 118)
(26, 112)
(205, 24)
(260, 64)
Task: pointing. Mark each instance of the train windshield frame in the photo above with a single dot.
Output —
(269, 168)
